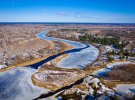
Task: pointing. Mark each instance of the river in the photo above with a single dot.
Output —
(16, 84)
(78, 57)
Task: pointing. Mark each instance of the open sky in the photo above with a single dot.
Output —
(104, 11)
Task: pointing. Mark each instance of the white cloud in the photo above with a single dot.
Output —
(79, 15)
(61, 14)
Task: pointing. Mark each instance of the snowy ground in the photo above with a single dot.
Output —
(125, 91)
(2, 66)
(16, 84)
(57, 78)
(121, 89)
(125, 88)
(93, 87)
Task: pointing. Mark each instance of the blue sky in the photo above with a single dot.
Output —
(104, 11)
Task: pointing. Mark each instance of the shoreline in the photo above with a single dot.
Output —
(77, 82)
(52, 86)
(65, 47)
(96, 60)
(99, 51)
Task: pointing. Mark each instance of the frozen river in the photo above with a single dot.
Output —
(16, 84)
(80, 56)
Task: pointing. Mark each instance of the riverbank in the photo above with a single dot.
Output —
(98, 87)
(89, 66)
(42, 70)
(120, 74)
(95, 53)
(53, 78)
(64, 47)
(81, 52)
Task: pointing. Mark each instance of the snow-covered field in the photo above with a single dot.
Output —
(125, 88)
(16, 84)
(81, 56)
(2, 66)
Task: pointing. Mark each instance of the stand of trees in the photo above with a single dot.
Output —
(104, 41)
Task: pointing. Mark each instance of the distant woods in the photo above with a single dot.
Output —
(10, 34)
(104, 40)
(119, 37)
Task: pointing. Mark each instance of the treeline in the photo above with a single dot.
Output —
(122, 53)
(83, 30)
(104, 40)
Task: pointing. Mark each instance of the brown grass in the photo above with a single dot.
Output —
(63, 82)
(112, 83)
(46, 85)
(21, 62)
(125, 73)
(119, 75)
(82, 87)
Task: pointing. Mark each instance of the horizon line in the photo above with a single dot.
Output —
(64, 23)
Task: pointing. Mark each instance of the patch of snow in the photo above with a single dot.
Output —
(2, 66)
(125, 88)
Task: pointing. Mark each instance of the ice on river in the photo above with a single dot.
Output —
(16, 84)
(77, 58)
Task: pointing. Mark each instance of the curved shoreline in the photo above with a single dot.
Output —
(74, 83)
(79, 57)
(79, 47)
(36, 60)
(99, 55)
